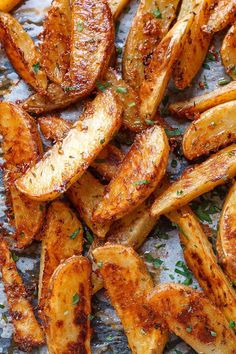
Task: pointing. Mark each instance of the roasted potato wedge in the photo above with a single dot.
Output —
(161, 66)
(62, 239)
(8, 5)
(92, 43)
(214, 129)
(149, 26)
(223, 15)
(197, 180)
(195, 47)
(202, 261)
(117, 6)
(66, 161)
(128, 284)
(68, 307)
(226, 239)
(137, 176)
(55, 47)
(22, 52)
(27, 331)
(228, 52)
(191, 316)
(54, 128)
(21, 147)
(191, 108)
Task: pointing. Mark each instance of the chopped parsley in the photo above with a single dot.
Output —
(189, 329)
(231, 324)
(2, 306)
(213, 334)
(90, 317)
(102, 86)
(132, 104)
(14, 257)
(224, 81)
(183, 270)
(174, 132)
(75, 233)
(140, 183)
(180, 192)
(102, 141)
(80, 26)
(121, 89)
(157, 262)
(99, 264)
(36, 67)
(149, 121)
(89, 236)
(157, 13)
(75, 299)
(173, 163)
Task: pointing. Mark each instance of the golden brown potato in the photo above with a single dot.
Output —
(68, 307)
(54, 128)
(62, 239)
(226, 240)
(191, 108)
(186, 7)
(202, 261)
(67, 160)
(223, 15)
(161, 66)
(192, 317)
(117, 6)
(8, 5)
(214, 129)
(22, 52)
(197, 180)
(139, 174)
(228, 52)
(149, 26)
(128, 283)
(92, 43)
(195, 47)
(27, 331)
(55, 47)
(21, 147)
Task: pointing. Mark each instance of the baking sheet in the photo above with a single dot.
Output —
(163, 242)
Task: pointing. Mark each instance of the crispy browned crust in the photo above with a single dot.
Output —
(68, 307)
(224, 14)
(22, 147)
(190, 315)
(27, 331)
(22, 52)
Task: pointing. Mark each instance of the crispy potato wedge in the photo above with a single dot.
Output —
(68, 307)
(55, 47)
(128, 284)
(22, 52)
(62, 239)
(197, 249)
(92, 43)
(191, 108)
(8, 5)
(228, 52)
(223, 15)
(117, 6)
(21, 147)
(191, 316)
(67, 160)
(161, 66)
(226, 239)
(27, 331)
(197, 180)
(215, 128)
(149, 26)
(137, 176)
(195, 47)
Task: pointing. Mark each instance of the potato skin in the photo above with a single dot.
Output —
(68, 307)
(226, 239)
(228, 52)
(139, 174)
(128, 283)
(22, 52)
(215, 128)
(197, 249)
(223, 15)
(27, 332)
(197, 180)
(191, 316)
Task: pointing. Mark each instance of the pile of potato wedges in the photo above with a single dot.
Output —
(87, 181)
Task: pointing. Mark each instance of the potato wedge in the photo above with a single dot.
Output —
(197, 180)
(62, 239)
(128, 284)
(55, 47)
(54, 128)
(197, 249)
(92, 43)
(21, 147)
(27, 331)
(67, 160)
(149, 26)
(117, 6)
(8, 5)
(137, 176)
(22, 52)
(226, 239)
(161, 66)
(191, 108)
(191, 316)
(223, 15)
(215, 128)
(68, 307)
(228, 52)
